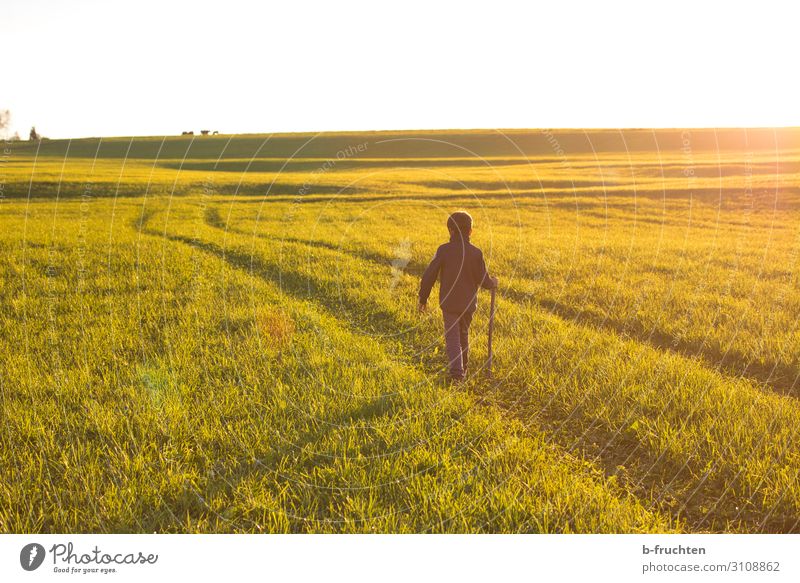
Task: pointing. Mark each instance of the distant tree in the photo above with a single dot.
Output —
(5, 121)
(34, 135)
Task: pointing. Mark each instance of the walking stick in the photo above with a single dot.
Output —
(491, 329)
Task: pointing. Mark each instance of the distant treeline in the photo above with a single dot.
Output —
(421, 144)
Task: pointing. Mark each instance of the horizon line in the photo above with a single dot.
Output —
(421, 130)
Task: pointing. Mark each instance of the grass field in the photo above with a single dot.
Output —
(218, 334)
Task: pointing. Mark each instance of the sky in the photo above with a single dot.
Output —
(103, 68)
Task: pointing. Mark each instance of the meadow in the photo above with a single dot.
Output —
(219, 334)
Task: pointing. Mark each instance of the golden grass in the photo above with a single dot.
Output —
(208, 344)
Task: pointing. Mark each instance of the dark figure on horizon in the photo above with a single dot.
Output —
(462, 271)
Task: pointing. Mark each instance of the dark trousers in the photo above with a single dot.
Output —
(456, 340)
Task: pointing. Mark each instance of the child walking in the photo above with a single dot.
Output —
(461, 269)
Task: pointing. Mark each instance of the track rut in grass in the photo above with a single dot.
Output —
(655, 472)
(245, 264)
(776, 376)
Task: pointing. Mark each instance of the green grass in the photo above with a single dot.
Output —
(219, 335)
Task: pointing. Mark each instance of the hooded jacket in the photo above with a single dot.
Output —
(462, 270)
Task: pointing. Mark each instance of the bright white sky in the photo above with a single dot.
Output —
(144, 67)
